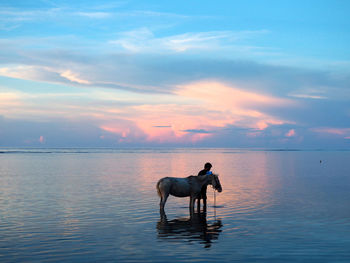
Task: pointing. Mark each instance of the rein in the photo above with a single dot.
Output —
(214, 193)
(214, 197)
(214, 190)
(214, 202)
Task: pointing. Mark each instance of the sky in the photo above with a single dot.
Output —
(258, 74)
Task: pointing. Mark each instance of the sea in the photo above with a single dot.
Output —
(101, 205)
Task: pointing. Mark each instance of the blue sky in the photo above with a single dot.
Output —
(200, 73)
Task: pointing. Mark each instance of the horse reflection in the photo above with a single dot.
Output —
(195, 228)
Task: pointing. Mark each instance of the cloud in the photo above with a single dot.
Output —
(242, 100)
(144, 40)
(310, 93)
(228, 96)
(203, 115)
(73, 77)
(17, 15)
(63, 75)
(185, 92)
(157, 67)
(126, 131)
(96, 15)
(197, 131)
(156, 86)
(306, 96)
(35, 73)
(20, 15)
(9, 97)
(197, 120)
(229, 104)
(291, 133)
(150, 14)
(41, 139)
(344, 132)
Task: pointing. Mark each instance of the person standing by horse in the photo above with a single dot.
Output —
(203, 196)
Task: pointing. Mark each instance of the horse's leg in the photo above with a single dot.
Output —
(199, 203)
(192, 200)
(163, 199)
(204, 197)
(163, 217)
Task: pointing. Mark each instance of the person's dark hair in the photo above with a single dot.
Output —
(207, 166)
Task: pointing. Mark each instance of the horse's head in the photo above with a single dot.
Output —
(215, 182)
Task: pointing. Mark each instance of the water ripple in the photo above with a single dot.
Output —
(102, 206)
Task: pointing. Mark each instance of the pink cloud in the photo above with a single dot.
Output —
(291, 133)
(125, 130)
(41, 139)
(209, 106)
(205, 106)
(229, 96)
(234, 103)
(345, 132)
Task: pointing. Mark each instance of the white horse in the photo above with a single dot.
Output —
(182, 187)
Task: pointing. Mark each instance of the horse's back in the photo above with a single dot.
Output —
(179, 187)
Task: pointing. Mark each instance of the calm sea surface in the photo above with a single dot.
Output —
(101, 205)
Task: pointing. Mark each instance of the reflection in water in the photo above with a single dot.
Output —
(101, 206)
(195, 228)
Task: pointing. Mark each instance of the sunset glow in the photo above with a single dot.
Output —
(153, 76)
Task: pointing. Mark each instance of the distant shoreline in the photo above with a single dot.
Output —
(48, 150)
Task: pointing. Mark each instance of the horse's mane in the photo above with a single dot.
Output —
(194, 178)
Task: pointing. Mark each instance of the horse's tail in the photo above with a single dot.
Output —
(158, 189)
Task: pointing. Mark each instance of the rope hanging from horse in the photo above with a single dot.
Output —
(214, 198)
(214, 202)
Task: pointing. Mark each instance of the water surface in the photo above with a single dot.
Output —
(89, 205)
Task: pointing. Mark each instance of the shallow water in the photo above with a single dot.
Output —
(91, 205)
